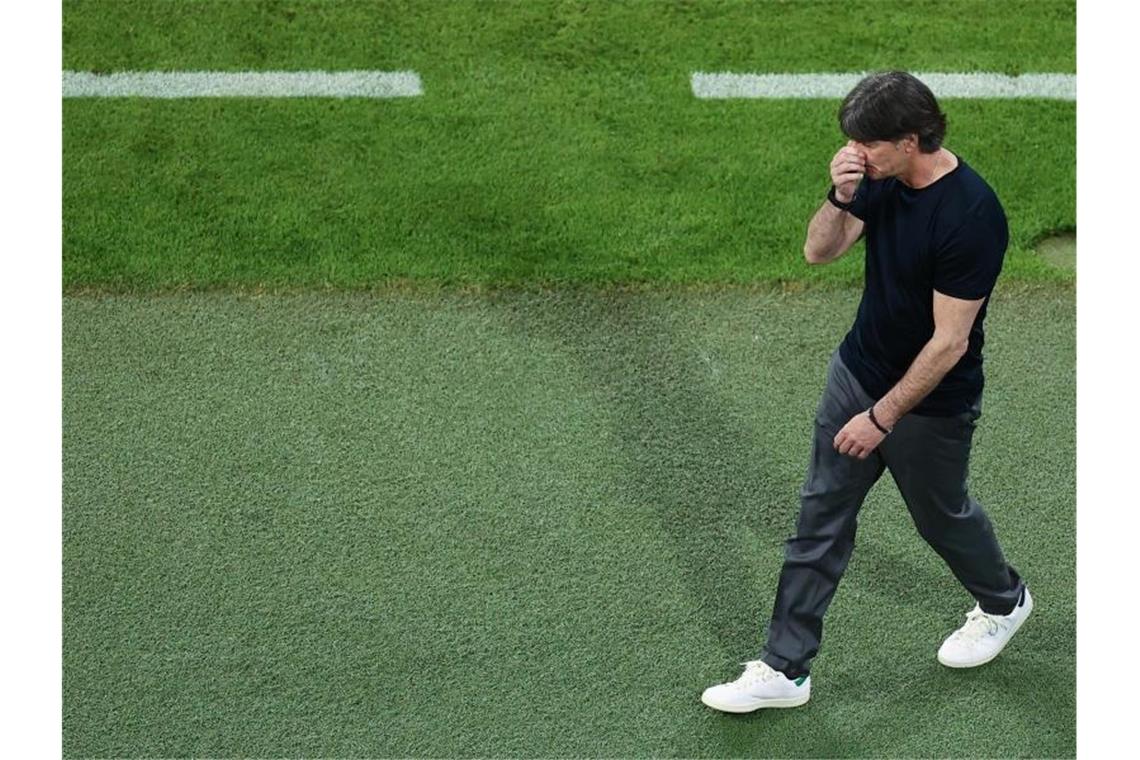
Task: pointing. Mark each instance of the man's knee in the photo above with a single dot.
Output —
(950, 519)
(813, 544)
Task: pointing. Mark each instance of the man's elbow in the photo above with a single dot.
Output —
(814, 257)
(954, 348)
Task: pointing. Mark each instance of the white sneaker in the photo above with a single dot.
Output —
(759, 686)
(983, 636)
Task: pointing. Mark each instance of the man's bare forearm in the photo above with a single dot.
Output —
(932, 364)
(825, 234)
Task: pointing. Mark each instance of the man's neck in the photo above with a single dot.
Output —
(928, 168)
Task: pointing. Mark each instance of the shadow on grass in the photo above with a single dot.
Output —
(686, 457)
(693, 463)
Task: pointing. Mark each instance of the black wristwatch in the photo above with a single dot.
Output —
(838, 203)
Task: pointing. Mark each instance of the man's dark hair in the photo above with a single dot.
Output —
(890, 105)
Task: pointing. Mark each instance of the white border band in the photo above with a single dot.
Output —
(251, 84)
(977, 85)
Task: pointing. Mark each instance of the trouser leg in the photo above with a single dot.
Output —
(816, 557)
(928, 458)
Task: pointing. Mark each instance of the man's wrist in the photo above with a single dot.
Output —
(835, 200)
(882, 425)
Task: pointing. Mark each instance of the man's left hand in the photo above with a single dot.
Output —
(859, 437)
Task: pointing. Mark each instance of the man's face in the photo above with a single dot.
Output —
(883, 158)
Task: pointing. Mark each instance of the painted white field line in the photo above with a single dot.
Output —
(239, 84)
(943, 85)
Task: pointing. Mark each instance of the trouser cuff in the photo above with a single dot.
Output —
(1005, 609)
(787, 667)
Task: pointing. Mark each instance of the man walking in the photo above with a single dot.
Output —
(904, 388)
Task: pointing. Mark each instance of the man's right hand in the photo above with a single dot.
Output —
(847, 171)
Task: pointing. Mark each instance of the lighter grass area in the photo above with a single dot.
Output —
(556, 144)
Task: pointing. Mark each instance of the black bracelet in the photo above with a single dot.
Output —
(838, 203)
(875, 422)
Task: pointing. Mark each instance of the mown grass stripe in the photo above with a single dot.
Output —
(256, 84)
(944, 85)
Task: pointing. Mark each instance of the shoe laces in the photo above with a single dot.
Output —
(755, 672)
(978, 625)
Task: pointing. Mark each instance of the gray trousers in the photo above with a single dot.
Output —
(928, 459)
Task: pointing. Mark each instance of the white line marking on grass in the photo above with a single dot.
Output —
(977, 85)
(239, 84)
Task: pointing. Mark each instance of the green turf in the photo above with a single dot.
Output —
(555, 142)
(522, 524)
(434, 522)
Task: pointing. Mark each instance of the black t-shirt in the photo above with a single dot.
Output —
(949, 236)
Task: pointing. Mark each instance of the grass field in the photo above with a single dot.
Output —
(326, 525)
(555, 143)
(472, 424)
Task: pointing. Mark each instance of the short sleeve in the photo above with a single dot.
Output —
(969, 259)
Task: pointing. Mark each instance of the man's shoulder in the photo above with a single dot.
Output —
(972, 185)
(969, 197)
(971, 225)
